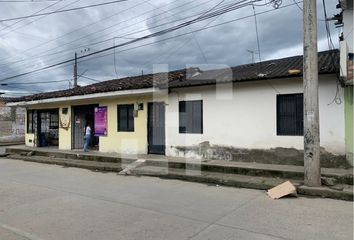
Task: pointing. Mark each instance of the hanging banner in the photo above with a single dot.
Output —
(101, 121)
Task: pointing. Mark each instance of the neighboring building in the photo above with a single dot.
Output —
(346, 73)
(211, 114)
(12, 123)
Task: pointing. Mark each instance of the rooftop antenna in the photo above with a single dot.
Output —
(257, 35)
(252, 52)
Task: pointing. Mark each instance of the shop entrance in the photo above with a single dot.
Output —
(81, 116)
(48, 128)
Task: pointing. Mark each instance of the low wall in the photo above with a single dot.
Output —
(12, 125)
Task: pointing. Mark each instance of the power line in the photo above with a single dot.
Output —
(12, 30)
(92, 79)
(114, 58)
(234, 20)
(61, 11)
(196, 40)
(121, 36)
(257, 36)
(298, 6)
(102, 41)
(337, 98)
(128, 43)
(21, 88)
(184, 43)
(89, 25)
(131, 33)
(31, 83)
(30, 1)
(187, 33)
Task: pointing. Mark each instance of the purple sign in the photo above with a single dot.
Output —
(101, 121)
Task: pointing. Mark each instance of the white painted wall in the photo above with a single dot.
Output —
(243, 115)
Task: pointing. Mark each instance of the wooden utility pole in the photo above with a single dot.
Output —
(75, 71)
(311, 109)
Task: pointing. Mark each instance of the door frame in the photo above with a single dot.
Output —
(73, 107)
(148, 132)
(39, 123)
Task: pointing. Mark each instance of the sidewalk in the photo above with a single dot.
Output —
(165, 159)
(238, 174)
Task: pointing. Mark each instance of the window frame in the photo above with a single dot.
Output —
(298, 114)
(130, 122)
(183, 116)
(29, 124)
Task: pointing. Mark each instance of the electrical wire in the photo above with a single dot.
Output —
(92, 79)
(86, 36)
(61, 11)
(106, 40)
(298, 6)
(70, 60)
(37, 19)
(337, 98)
(184, 43)
(130, 33)
(30, 1)
(9, 26)
(114, 59)
(257, 36)
(31, 83)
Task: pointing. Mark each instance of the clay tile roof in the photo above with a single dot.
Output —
(278, 68)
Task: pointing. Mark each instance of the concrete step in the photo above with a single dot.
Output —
(340, 175)
(91, 165)
(243, 181)
(69, 155)
(4, 144)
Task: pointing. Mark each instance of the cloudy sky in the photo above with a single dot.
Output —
(34, 43)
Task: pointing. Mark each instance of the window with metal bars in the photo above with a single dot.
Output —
(126, 118)
(290, 115)
(191, 116)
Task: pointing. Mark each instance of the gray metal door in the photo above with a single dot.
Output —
(82, 115)
(156, 128)
(79, 128)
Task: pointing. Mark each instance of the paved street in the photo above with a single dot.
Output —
(51, 202)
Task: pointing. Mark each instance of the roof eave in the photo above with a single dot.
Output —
(95, 96)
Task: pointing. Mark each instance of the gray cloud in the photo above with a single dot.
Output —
(280, 34)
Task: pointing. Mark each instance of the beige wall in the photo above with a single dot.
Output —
(121, 142)
(125, 142)
(65, 133)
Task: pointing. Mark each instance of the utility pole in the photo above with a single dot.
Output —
(75, 71)
(311, 109)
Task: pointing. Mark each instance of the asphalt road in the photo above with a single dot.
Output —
(40, 202)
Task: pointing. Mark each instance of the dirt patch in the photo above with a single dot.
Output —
(287, 156)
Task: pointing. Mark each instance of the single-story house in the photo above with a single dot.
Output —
(219, 114)
(346, 42)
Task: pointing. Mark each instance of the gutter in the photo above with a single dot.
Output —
(145, 91)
